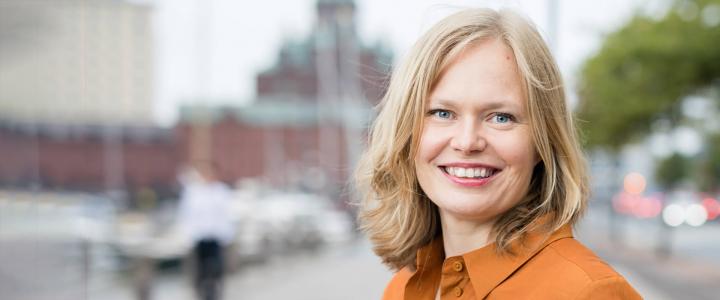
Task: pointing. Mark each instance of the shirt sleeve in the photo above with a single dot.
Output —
(609, 288)
(183, 211)
(228, 221)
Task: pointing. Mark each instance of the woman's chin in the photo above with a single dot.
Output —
(467, 210)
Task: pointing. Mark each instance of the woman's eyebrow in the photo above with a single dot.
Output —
(497, 105)
(489, 105)
(442, 102)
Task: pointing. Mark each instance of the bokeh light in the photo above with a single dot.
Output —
(673, 215)
(695, 215)
(712, 206)
(634, 183)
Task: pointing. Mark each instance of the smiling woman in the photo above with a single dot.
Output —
(481, 135)
(473, 176)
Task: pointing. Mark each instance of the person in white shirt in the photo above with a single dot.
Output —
(204, 215)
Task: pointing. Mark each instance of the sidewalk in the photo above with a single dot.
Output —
(346, 272)
(349, 272)
(353, 272)
(692, 271)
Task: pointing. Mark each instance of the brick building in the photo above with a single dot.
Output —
(86, 157)
(304, 130)
(312, 106)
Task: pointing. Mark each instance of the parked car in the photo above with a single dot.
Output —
(281, 222)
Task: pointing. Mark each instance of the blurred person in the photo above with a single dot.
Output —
(473, 176)
(204, 215)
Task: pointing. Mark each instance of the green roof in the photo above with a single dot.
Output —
(282, 112)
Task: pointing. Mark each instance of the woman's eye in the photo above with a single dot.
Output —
(441, 113)
(502, 118)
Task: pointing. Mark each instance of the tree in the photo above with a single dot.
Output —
(644, 70)
(672, 171)
(709, 166)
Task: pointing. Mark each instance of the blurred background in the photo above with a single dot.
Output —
(105, 104)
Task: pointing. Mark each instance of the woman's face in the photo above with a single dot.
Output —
(476, 153)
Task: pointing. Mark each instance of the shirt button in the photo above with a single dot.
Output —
(458, 291)
(457, 266)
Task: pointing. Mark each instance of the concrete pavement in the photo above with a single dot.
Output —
(690, 271)
(345, 272)
(39, 260)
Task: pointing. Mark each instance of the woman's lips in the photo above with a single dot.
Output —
(469, 181)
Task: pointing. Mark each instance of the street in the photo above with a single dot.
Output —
(39, 260)
(691, 271)
(353, 272)
(344, 272)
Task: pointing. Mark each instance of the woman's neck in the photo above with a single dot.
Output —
(461, 236)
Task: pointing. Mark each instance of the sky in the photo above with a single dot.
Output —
(208, 51)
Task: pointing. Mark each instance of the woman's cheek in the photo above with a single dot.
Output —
(433, 142)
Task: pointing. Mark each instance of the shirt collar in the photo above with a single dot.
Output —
(485, 267)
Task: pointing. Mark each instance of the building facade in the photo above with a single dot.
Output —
(89, 158)
(311, 110)
(304, 130)
(76, 62)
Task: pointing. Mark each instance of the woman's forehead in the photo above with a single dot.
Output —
(485, 73)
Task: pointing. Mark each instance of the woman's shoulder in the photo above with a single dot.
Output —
(579, 258)
(567, 267)
(396, 287)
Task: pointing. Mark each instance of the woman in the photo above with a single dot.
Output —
(473, 175)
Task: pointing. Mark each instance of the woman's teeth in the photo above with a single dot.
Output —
(469, 172)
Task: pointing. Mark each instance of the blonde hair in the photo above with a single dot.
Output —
(395, 213)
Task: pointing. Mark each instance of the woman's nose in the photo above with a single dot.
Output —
(468, 138)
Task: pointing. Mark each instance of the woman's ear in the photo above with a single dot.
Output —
(538, 159)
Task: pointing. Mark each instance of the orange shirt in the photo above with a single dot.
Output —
(558, 267)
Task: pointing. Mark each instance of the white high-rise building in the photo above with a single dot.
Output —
(76, 61)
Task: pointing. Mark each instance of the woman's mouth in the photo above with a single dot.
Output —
(471, 177)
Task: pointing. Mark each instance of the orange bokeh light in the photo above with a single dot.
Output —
(634, 183)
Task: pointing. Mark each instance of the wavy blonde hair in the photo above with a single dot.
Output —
(395, 213)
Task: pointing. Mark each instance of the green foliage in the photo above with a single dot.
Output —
(672, 171)
(709, 169)
(642, 72)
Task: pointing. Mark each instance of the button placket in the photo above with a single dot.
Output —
(458, 291)
(454, 278)
(458, 266)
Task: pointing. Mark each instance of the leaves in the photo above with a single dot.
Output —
(672, 171)
(642, 72)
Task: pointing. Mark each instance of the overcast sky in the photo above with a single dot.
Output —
(214, 48)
